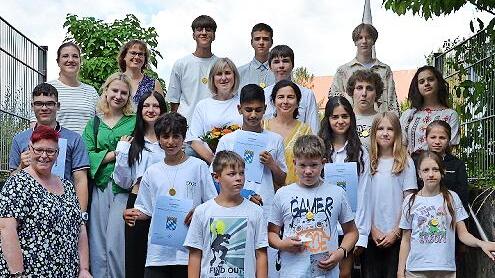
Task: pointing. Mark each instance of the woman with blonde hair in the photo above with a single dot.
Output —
(106, 233)
(216, 111)
(393, 176)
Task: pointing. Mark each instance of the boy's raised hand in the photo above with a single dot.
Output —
(266, 158)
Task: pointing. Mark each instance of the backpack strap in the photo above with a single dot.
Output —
(96, 126)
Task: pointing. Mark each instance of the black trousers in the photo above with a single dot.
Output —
(136, 244)
(380, 262)
(167, 271)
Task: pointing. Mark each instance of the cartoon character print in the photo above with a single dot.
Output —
(432, 224)
(364, 131)
(310, 222)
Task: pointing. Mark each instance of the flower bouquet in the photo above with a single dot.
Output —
(213, 136)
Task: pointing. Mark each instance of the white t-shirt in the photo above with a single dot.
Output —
(186, 84)
(210, 113)
(228, 238)
(191, 180)
(77, 105)
(308, 108)
(126, 177)
(265, 189)
(309, 213)
(387, 193)
(432, 238)
(363, 128)
(363, 211)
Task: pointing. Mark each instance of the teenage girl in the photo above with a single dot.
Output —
(430, 220)
(393, 178)
(338, 131)
(135, 154)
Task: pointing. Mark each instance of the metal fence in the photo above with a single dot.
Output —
(22, 67)
(469, 68)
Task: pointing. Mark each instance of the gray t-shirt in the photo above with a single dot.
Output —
(313, 214)
(363, 128)
(228, 238)
(76, 155)
(432, 238)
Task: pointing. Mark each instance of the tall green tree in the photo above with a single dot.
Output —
(303, 77)
(100, 43)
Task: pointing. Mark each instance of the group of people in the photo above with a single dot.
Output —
(87, 176)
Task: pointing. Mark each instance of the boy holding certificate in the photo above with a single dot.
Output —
(262, 151)
(308, 212)
(168, 191)
(228, 236)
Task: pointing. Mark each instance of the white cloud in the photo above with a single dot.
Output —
(318, 31)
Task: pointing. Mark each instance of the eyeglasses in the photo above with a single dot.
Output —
(40, 151)
(200, 29)
(48, 104)
(134, 54)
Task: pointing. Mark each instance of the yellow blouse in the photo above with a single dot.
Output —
(299, 130)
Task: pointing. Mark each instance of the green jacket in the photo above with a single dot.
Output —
(107, 142)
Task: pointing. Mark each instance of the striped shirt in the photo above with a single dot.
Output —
(77, 105)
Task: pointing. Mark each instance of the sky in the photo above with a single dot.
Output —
(319, 32)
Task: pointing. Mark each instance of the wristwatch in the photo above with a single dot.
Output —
(345, 251)
(17, 274)
(84, 216)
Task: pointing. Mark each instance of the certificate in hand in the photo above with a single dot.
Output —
(59, 168)
(249, 145)
(168, 228)
(345, 176)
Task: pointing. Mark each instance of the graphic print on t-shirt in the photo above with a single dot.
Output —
(310, 221)
(227, 246)
(432, 224)
(364, 131)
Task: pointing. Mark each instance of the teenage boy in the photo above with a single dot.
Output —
(364, 37)
(180, 176)
(45, 106)
(281, 61)
(308, 213)
(364, 87)
(189, 78)
(228, 236)
(258, 70)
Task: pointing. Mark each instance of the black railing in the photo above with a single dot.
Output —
(22, 67)
(469, 68)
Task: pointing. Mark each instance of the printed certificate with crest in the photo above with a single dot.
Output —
(249, 146)
(167, 223)
(345, 176)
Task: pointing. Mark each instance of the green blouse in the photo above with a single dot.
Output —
(107, 142)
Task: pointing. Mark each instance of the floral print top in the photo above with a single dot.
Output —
(48, 226)
(414, 123)
(147, 84)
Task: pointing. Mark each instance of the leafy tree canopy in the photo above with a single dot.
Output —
(303, 77)
(100, 43)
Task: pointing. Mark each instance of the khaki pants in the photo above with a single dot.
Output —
(430, 274)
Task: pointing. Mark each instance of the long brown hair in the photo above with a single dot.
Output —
(447, 197)
(399, 150)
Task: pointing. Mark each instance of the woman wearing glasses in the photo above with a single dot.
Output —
(42, 231)
(133, 60)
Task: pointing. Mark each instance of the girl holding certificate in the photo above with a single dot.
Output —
(393, 178)
(338, 130)
(135, 153)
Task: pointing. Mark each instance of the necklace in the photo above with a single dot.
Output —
(204, 75)
(263, 72)
(171, 190)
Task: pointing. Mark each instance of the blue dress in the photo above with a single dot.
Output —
(146, 85)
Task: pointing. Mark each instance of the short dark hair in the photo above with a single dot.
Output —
(281, 51)
(125, 48)
(364, 27)
(252, 92)
(287, 83)
(171, 123)
(67, 44)
(365, 75)
(204, 21)
(415, 97)
(262, 27)
(45, 89)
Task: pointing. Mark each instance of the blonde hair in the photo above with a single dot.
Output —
(220, 66)
(102, 105)
(224, 159)
(399, 150)
(309, 146)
